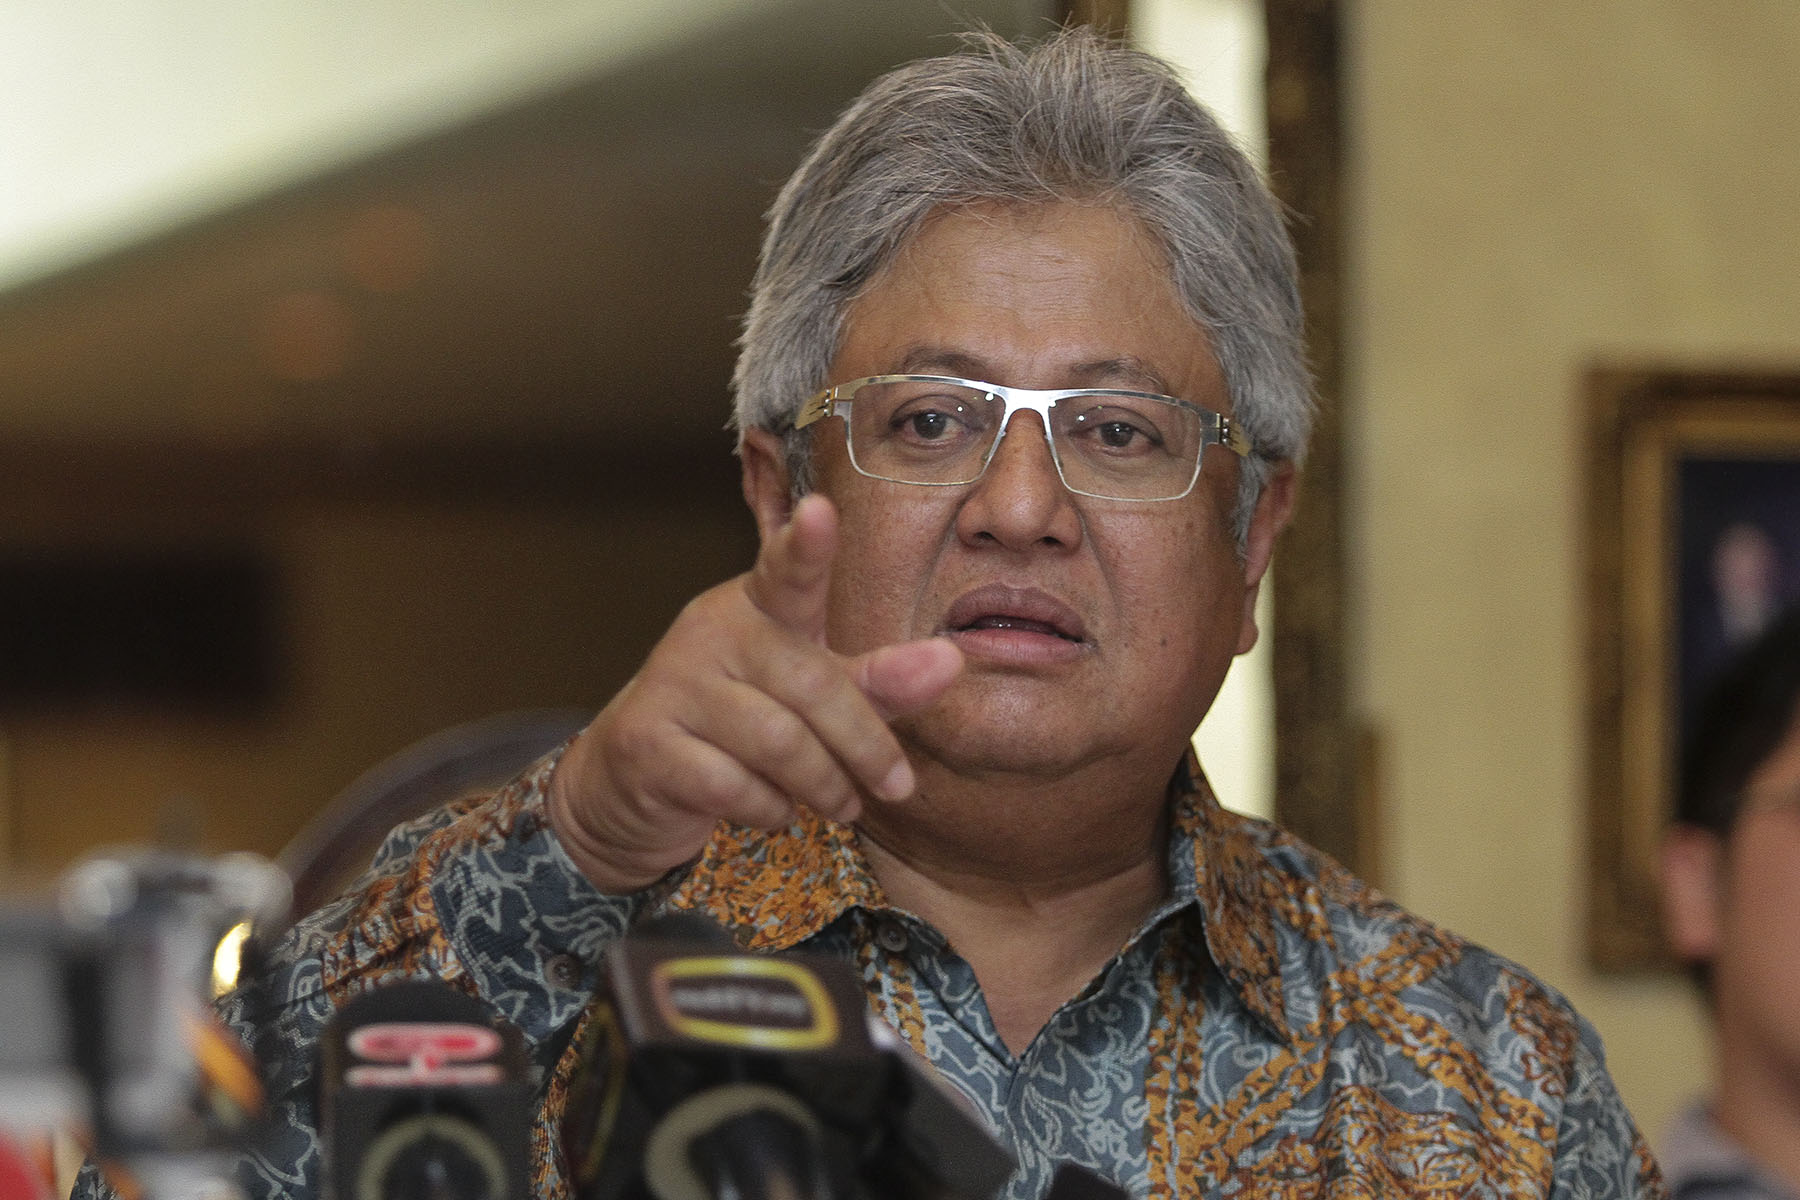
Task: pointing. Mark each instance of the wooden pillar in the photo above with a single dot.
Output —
(1108, 16)
(1322, 769)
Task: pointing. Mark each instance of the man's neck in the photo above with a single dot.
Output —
(1061, 883)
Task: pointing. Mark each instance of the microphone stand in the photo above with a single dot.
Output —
(739, 1141)
(761, 1155)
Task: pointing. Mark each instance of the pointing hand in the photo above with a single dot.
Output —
(740, 713)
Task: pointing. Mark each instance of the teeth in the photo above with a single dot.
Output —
(1017, 623)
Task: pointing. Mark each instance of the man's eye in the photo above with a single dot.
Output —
(928, 420)
(1119, 435)
(1117, 432)
(929, 425)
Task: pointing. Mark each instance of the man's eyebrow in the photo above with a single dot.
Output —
(942, 360)
(1129, 370)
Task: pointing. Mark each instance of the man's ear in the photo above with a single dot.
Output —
(767, 488)
(1693, 884)
(1274, 507)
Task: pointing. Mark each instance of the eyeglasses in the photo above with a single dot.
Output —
(941, 431)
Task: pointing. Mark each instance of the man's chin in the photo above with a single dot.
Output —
(993, 744)
(1030, 831)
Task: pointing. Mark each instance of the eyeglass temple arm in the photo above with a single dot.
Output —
(1233, 437)
(815, 409)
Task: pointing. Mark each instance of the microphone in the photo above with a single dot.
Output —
(140, 932)
(24, 1175)
(423, 1096)
(104, 989)
(711, 1073)
(1072, 1182)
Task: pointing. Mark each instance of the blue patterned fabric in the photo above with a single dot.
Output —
(1274, 1029)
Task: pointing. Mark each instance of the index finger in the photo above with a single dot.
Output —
(792, 575)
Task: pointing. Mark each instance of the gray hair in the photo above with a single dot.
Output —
(1076, 118)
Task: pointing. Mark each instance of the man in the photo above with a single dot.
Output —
(1731, 884)
(940, 729)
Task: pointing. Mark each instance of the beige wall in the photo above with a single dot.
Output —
(1537, 185)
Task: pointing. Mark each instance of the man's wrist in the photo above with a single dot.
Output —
(600, 864)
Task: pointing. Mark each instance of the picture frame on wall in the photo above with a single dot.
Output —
(1693, 546)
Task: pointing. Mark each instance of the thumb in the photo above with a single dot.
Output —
(904, 678)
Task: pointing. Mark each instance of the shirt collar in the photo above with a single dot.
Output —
(777, 890)
(1218, 862)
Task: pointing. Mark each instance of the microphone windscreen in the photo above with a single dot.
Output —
(423, 1096)
(695, 1048)
(1078, 1183)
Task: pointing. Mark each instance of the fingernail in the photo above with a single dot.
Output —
(899, 782)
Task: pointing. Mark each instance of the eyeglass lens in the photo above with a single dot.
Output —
(1117, 445)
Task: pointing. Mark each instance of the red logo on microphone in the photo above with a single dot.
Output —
(419, 1053)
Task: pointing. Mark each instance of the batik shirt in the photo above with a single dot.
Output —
(1273, 1029)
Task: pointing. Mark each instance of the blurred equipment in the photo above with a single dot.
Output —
(108, 1028)
(423, 1097)
(24, 1174)
(710, 1073)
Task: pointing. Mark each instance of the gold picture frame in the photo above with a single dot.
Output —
(1676, 458)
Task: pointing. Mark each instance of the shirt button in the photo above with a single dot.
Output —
(891, 936)
(564, 970)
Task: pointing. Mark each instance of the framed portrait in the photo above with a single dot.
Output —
(1693, 547)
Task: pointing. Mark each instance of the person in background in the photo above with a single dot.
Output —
(1021, 399)
(1731, 895)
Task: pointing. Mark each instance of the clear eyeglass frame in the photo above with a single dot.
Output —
(1215, 428)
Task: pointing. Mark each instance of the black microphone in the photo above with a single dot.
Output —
(711, 1073)
(423, 1096)
(1072, 1182)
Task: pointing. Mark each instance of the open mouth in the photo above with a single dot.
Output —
(1022, 624)
(1014, 610)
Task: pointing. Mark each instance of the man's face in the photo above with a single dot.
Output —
(1756, 963)
(1090, 628)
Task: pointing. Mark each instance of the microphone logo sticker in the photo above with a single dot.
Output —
(423, 1053)
(745, 1000)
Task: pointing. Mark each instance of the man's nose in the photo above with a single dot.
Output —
(1020, 500)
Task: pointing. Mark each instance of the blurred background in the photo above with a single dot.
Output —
(363, 374)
